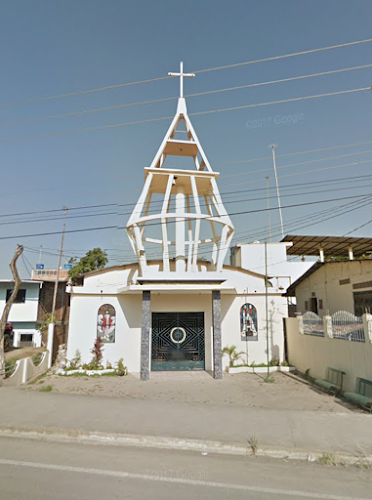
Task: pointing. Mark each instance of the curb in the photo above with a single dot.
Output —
(168, 443)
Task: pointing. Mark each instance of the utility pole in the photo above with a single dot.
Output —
(268, 205)
(277, 189)
(267, 315)
(53, 322)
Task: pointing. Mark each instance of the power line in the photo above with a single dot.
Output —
(198, 113)
(283, 56)
(306, 172)
(299, 164)
(167, 99)
(80, 93)
(151, 80)
(329, 200)
(265, 158)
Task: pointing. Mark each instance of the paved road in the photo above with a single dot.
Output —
(34, 470)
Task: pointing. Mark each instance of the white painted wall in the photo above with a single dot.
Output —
(251, 256)
(83, 328)
(101, 289)
(27, 311)
(317, 353)
(325, 284)
(254, 351)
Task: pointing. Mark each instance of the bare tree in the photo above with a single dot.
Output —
(8, 305)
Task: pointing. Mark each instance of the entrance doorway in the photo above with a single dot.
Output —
(177, 341)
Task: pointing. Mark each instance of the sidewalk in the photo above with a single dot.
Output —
(231, 425)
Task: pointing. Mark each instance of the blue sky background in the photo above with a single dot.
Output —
(52, 47)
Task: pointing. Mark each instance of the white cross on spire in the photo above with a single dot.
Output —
(181, 74)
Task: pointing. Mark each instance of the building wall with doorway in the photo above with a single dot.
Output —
(335, 286)
(109, 293)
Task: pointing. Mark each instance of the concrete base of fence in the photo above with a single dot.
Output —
(25, 370)
(314, 354)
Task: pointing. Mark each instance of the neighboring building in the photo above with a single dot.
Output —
(47, 277)
(24, 312)
(180, 311)
(336, 283)
(49, 274)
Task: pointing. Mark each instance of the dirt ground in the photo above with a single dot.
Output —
(245, 389)
(23, 352)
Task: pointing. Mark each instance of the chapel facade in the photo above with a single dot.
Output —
(179, 311)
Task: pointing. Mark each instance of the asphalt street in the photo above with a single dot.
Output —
(36, 470)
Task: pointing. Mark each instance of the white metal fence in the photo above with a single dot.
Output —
(346, 326)
(313, 324)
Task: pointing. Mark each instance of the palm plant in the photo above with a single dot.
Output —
(233, 354)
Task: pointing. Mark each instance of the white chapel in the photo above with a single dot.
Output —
(179, 311)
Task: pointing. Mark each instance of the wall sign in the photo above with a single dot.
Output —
(248, 322)
(106, 322)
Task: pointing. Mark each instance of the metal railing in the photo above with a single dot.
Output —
(313, 324)
(346, 326)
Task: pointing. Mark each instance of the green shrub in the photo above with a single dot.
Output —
(75, 363)
(120, 368)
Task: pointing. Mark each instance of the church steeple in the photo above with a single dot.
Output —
(192, 210)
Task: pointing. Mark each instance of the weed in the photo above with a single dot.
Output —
(363, 463)
(10, 365)
(36, 359)
(75, 363)
(327, 459)
(253, 444)
(46, 388)
(38, 379)
(269, 380)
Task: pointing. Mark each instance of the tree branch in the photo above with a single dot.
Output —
(8, 305)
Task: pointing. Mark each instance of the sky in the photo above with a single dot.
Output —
(48, 161)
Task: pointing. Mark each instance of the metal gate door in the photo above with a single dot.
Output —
(177, 341)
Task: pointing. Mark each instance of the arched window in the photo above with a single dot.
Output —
(248, 322)
(106, 322)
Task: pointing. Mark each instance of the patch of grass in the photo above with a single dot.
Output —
(363, 463)
(46, 388)
(38, 379)
(10, 365)
(253, 444)
(36, 359)
(327, 459)
(269, 380)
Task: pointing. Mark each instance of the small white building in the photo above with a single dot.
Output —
(24, 311)
(179, 309)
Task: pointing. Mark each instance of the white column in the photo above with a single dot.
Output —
(351, 254)
(180, 230)
(321, 254)
(50, 343)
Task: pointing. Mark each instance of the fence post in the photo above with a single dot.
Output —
(327, 320)
(50, 343)
(24, 370)
(300, 320)
(367, 324)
